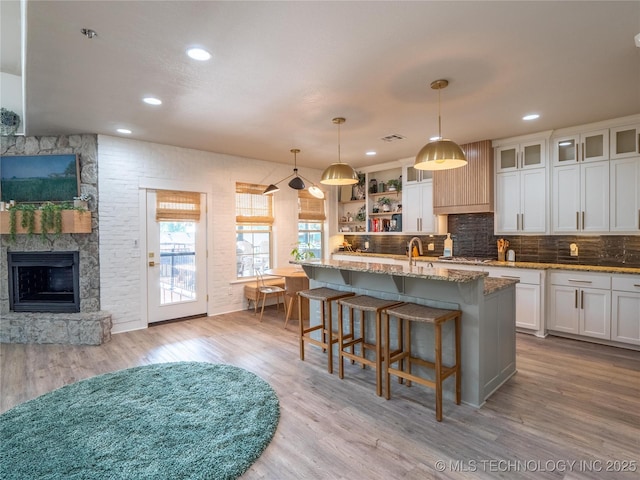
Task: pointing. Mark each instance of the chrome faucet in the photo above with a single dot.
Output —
(410, 252)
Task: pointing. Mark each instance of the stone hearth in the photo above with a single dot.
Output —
(66, 328)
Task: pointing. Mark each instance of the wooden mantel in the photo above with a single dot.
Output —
(73, 221)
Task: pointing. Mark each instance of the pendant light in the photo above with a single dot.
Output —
(297, 182)
(339, 173)
(441, 154)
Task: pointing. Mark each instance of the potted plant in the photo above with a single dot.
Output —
(394, 185)
(301, 252)
(386, 203)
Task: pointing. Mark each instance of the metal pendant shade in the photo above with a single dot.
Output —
(339, 173)
(297, 182)
(442, 154)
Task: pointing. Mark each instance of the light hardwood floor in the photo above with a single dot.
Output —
(569, 402)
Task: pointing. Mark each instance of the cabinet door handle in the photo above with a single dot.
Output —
(580, 281)
(577, 220)
(582, 299)
(636, 284)
(582, 153)
(522, 221)
(583, 219)
(639, 143)
(576, 298)
(638, 219)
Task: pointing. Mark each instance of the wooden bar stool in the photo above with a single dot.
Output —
(411, 312)
(327, 338)
(362, 303)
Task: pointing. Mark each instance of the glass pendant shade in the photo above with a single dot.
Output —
(297, 183)
(440, 155)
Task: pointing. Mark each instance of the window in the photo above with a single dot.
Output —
(311, 217)
(254, 219)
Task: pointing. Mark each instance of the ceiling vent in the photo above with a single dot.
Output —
(392, 138)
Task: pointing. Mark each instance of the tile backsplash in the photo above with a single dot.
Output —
(473, 236)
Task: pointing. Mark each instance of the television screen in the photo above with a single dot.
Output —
(39, 178)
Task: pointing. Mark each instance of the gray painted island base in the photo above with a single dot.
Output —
(488, 315)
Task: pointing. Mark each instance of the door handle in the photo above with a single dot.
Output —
(576, 298)
(577, 220)
(582, 299)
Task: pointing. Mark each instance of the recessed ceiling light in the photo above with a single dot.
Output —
(531, 116)
(152, 101)
(198, 54)
(370, 153)
(126, 131)
(565, 144)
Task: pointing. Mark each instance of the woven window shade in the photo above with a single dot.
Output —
(173, 205)
(251, 205)
(310, 207)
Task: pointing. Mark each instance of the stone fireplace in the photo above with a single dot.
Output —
(70, 283)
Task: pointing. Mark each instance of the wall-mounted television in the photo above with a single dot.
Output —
(39, 178)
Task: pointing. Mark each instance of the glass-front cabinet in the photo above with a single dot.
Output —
(584, 147)
(625, 141)
(521, 156)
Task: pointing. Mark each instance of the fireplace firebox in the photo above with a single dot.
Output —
(44, 281)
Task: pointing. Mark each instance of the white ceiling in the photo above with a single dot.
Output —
(282, 70)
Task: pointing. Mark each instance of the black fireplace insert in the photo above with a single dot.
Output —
(44, 281)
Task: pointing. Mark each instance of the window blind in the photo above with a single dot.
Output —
(310, 207)
(251, 205)
(172, 205)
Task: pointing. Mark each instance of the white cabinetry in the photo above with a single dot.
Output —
(625, 309)
(580, 304)
(529, 296)
(521, 202)
(624, 207)
(520, 156)
(521, 186)
(625, 141)
(584, 147)
(581, 198)
(417, 208)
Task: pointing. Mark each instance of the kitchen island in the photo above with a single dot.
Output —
(488, 311)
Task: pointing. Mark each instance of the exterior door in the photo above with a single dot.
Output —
(176, 265)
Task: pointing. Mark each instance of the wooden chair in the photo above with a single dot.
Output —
(265, 291)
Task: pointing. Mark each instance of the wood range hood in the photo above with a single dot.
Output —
(467, 189)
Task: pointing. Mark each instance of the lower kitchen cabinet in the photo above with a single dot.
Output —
(580, 304)
(625, 309)
(529, 296)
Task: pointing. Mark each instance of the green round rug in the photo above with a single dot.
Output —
(185, 420)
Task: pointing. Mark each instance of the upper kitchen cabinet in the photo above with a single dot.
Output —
(584, 147)
(467, 189)
(624, 207)
(417, 201)
(521, 185)
(412, 175)
(581, 198)
(625, 141)
(532, 154)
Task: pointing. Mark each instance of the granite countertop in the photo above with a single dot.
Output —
(405, 270)
(491, 285)
(495, 263)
